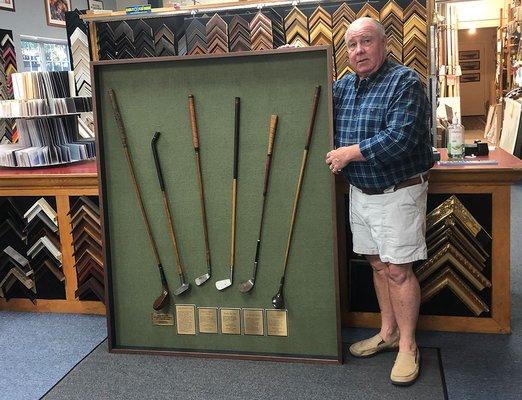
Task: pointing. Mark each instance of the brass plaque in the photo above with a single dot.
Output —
(276, 323)
(162, 319)
(253, 323)
(230, 321)
(207, 319)
(186, 319)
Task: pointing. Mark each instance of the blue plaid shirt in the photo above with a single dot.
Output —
(387, 115)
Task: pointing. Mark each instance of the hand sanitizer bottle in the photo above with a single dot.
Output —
(455, 139)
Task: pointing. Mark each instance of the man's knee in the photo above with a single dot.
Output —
(398, 274)
(379, 267)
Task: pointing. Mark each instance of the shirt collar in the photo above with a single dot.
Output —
(372, 77)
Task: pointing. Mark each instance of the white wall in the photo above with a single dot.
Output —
(479, 14)
(29, 19)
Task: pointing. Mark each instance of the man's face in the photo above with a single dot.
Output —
(366, 49)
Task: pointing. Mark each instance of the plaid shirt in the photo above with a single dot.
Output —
(387, 115)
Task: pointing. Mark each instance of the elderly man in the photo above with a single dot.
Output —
(383, 149)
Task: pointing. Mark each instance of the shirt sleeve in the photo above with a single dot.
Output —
(337, 90)
(406, 113)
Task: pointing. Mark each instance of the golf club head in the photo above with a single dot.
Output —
(161, 301)
(200, 280)
(223, 284)
(278, 301)
(183, 288)
(246, 286)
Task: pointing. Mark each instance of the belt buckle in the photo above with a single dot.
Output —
(390, 189)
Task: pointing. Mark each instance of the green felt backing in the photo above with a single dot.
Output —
(154, 97)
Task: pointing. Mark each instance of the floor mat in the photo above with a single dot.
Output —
(103, 375)
(38, 349)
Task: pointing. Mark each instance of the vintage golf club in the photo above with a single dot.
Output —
(163, 298)
(166, 205)
(224, 283)
(248, 285)
(278, 300)
(200, 280)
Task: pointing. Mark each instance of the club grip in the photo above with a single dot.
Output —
(153, 142)
(117, 117)
(271, 134)
(236, 135)
(312, 117)
(193, 122)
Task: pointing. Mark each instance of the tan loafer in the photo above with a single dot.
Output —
(406, 369)
(373, 345)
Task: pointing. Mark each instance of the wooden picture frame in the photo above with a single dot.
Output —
(7, 5)
(55, 11)
(465, 55)
(95, 4)
(466, 78)
(470, 65)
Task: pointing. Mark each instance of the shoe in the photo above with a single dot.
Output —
(373, 345)
(406, 368)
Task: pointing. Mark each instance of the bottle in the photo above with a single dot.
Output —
(455, 139)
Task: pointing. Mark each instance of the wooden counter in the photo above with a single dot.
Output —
(472, 179)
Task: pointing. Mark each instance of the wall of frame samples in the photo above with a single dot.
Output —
(8, 132)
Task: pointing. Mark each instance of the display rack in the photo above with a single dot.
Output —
(62, 184)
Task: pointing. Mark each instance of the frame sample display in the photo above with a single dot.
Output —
(153, 96)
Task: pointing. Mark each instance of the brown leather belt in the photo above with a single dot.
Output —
(408, 182)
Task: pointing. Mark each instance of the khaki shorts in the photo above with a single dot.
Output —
(391, 225)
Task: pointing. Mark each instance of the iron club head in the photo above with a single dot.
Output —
(223, 284)
(182, 289)
(162, 300)
(200, 280)
(246, 286)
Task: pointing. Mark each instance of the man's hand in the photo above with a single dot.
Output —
(339, 158)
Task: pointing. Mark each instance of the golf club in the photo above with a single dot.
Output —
(248, 285)
(200, 280)
(278, 300)
(224, 283)
(162, 300)
(166, 205)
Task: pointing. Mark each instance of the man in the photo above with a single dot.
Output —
(383, 149)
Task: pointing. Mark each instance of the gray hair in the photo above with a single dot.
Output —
(359, 21)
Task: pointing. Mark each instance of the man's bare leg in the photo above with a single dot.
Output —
(380, 282)
(404, 292)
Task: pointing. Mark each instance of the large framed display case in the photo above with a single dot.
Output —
(153, 97)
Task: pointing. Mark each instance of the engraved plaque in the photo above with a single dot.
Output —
(253, 321)
(207, 319)
(186, 319)
(276, 323)
(230, 321)
(162, 319)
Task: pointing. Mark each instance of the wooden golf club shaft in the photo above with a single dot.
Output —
(268, 164)
(166, 206)
(130, 164)
(195, 143)
(301, 174)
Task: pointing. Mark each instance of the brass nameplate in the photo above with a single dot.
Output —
(276, 323)
(230, 321)
(186, 319)
(253, 321)
(162, 319)
(207, 319)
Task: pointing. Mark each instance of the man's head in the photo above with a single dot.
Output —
(366, 44)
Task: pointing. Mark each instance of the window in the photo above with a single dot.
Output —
(45, 55)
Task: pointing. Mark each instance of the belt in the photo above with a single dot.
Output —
(408, 182)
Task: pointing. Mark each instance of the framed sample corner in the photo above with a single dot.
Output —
(7, 5)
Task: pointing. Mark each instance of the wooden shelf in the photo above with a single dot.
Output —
(61, 182)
